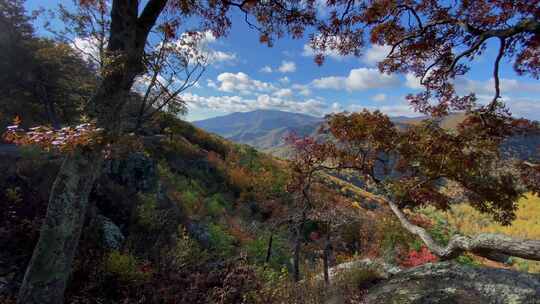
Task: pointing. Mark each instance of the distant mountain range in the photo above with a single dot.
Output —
(266, 130)
(262, 129)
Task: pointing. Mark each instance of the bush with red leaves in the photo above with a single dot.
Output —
(420, 257)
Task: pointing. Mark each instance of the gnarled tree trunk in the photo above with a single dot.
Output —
(487, 245)
(49, 269)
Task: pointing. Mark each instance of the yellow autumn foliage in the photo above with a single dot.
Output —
(526, 225)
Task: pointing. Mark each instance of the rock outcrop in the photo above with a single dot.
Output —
(449, 283)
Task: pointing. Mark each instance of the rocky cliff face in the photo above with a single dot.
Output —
(450, 283)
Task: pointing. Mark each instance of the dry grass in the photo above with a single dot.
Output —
(526, 226)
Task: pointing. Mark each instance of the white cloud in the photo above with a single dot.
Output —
(330, 82)
(365, 78)
(266, 69)
(523, 107)
(284, 80)
(358, 80)
(88, 48)
(331, 51)
(287, 67)
(282, 93)
(379, 97)
(413, 82)
(508, 86)
(219, 56)
(241, 104)
(375, 53)
(242, 83)
(201, 43)
(301, 89)
(310, 52)
(390, 110)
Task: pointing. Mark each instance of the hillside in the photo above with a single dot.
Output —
(265, 130)
(261, 128)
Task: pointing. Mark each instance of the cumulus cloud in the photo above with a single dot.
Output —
(266, 69)
(284, 80)
(301, 89)
(287, 67)
(310, 52)
(219, 56)
(379, 97)
(242, 83)
(358, 80)
(375, 53)
(390, 110)
(413, 82)
(365, 78)
(282, 93)
(508, 86)
(88, 48)
(264, 101)
(330, 82)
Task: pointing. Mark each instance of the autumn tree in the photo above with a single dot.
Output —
(43, 79)
(131, 27)
(305, 165)
(412, 166)
(436, 41)
(423, 46)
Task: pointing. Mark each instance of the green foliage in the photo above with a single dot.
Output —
(147, 214)
(393, 235)
(221, 242)
(185, 252)
(125, 268)
(215, 205)
(13, 195)
(257, 250)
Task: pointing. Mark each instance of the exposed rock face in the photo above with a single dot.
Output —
(111, 235)
(449, 283)
(137, 172)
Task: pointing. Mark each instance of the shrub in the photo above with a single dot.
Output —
(185, 252)
(126, 268)
(147, 214)
(257, 251)
(420, 257)
(215, 205)
(221, 242)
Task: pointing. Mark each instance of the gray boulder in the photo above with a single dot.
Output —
(449, 282)
(136, 172)
(110, 234)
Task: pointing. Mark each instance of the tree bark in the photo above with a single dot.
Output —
(269, 249)
(298, 247)
(488, 245)
(50, 267)
(326, 258)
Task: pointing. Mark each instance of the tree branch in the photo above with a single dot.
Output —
(148, 18)
(485, 244)
(496, 75)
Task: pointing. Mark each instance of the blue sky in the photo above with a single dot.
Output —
(246, 75)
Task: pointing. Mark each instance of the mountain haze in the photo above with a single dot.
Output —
(262, 129)
(266, 130)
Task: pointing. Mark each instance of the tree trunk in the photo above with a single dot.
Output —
(326, 258)
(269, 249)
(47, 274)
(297, 247)
(50, 267)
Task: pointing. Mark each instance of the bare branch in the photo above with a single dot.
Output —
(496, 74)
